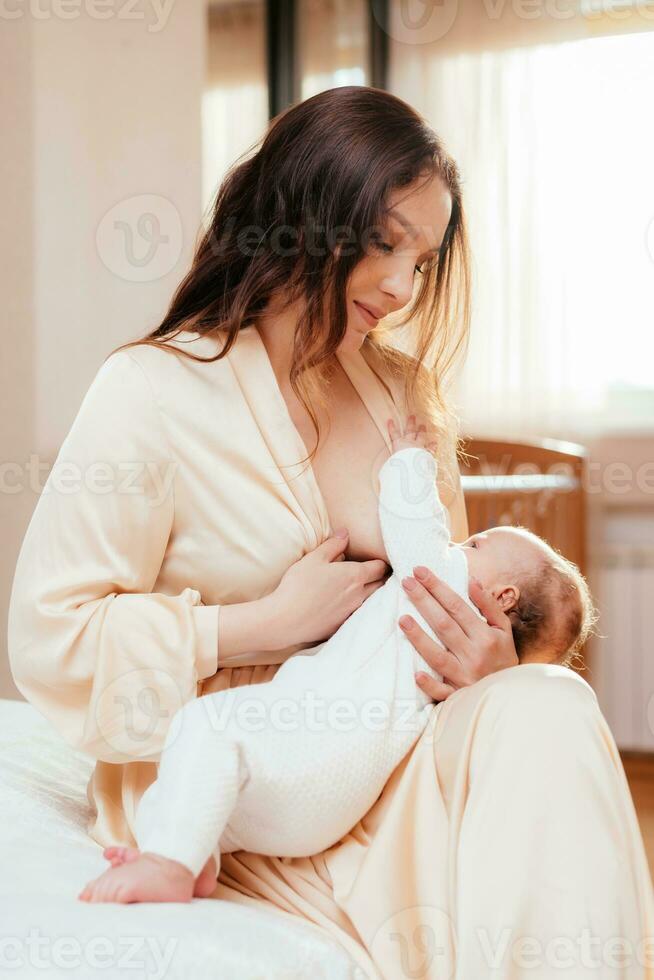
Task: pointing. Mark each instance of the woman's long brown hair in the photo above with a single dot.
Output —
(326, 164)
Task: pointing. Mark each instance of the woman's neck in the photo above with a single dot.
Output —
(277, 330)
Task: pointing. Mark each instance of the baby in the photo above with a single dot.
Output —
(288, 767)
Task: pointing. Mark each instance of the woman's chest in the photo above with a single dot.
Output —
(242, 517)
(346, 465)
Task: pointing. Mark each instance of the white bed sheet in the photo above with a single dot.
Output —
(46, 857)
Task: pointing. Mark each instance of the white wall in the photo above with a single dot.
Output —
(95, 114)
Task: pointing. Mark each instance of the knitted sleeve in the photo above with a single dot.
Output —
(413, 520)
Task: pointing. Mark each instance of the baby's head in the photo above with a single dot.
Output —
(544, 595)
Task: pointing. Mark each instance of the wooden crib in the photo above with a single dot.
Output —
(538, 485)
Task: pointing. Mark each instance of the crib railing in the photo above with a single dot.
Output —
(537, 485)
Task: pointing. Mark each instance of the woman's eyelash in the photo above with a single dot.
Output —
(385, 247)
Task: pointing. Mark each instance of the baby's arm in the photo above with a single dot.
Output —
(413, 519)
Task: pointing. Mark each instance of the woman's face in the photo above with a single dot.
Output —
(384, 280)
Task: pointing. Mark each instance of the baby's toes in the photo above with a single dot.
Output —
(115, 856)
(85, 894)
(89, 891)
(120, 855)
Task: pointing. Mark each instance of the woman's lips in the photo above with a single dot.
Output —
(371, 320)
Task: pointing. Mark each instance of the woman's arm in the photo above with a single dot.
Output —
(105, 659)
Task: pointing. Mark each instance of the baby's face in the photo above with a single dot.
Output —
(497, 556)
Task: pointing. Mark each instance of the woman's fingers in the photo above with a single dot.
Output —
(373, 569)
(475, 646)
(442, 660)
(436, 690)
(449, 600)
(488, 605)
(444, 625)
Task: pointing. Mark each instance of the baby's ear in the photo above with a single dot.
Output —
(508, 597)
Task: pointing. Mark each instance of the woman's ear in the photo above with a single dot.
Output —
(508, 597)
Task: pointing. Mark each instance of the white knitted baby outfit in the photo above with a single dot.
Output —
(288, 767)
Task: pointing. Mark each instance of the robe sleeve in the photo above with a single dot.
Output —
(93, 649)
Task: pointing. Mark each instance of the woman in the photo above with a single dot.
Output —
(206, 555)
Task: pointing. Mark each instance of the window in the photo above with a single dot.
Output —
(235, 102)
(556, 148)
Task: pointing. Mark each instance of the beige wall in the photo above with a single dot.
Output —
(93, 113)
(17, 363)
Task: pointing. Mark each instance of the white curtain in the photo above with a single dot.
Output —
(556, 146)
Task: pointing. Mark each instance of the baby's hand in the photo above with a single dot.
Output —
(414, 435)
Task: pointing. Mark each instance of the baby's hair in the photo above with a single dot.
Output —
(555, 611)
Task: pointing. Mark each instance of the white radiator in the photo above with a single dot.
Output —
(622, 660)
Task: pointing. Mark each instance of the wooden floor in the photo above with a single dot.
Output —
(640, 773)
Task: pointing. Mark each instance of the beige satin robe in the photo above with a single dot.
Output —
(512, 811)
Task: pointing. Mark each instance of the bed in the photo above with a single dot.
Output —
(46, 857)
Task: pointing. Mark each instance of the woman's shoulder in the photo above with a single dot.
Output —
(186, 358)
(152, 352)
(144, 398)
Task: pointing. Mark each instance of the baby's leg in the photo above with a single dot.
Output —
(183, 813)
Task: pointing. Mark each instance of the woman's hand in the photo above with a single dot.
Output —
(318, 593)
(474, 648)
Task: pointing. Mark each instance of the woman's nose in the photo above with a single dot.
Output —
(399, 287)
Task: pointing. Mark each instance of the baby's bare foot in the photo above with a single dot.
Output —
(148, 878)
(205, 883)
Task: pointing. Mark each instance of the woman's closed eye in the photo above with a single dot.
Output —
(387, 248)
